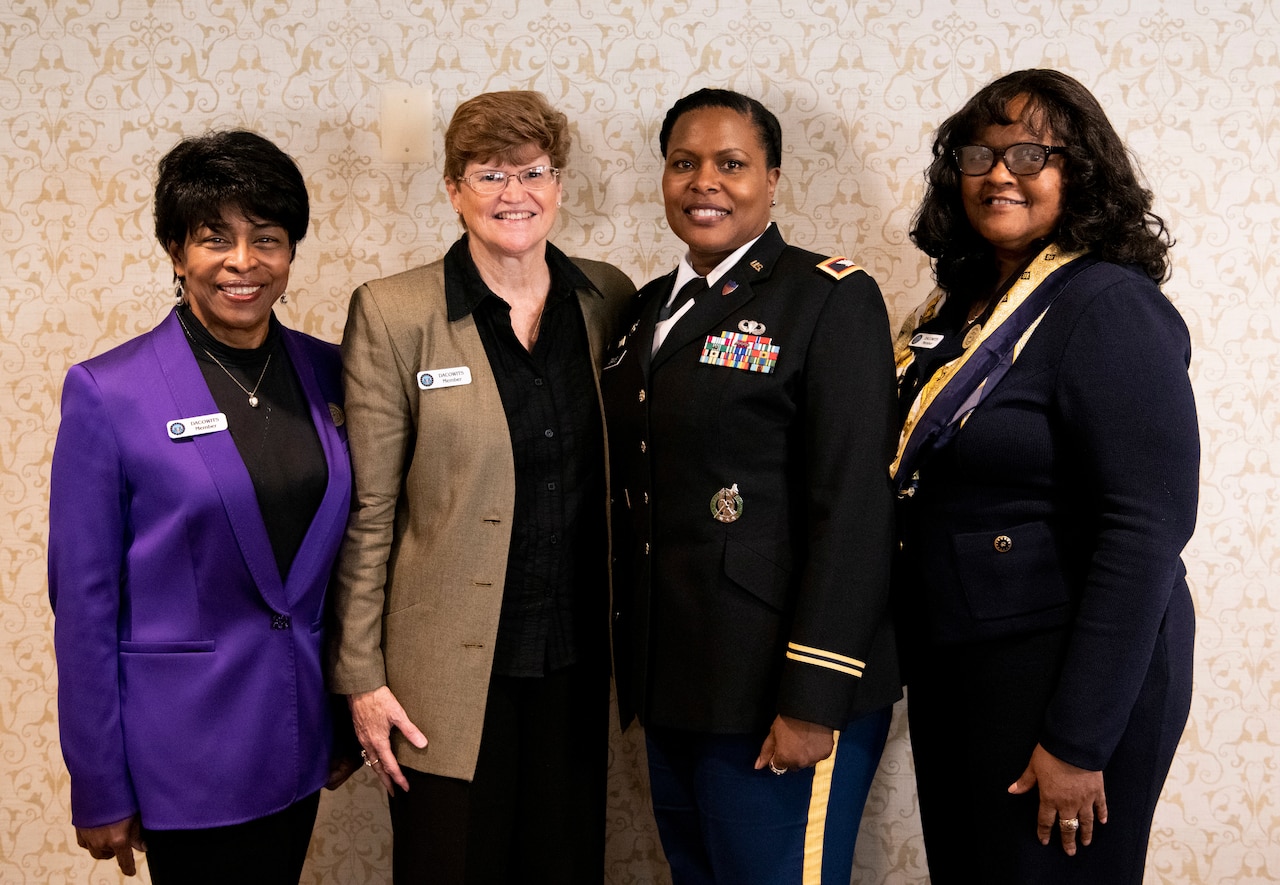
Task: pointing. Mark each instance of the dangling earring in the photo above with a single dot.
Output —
(179, 294)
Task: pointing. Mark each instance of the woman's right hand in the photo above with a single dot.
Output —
(118, 840)
(374, 714)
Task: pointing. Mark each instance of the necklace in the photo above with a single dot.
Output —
(252, 394)
(977, 310)
(537, 324)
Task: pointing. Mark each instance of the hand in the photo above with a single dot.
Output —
(341, 767)
(794, 743)
(1066, 793)
(118, 840)
(374, 714)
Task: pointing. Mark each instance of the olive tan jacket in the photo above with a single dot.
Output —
(418, 588)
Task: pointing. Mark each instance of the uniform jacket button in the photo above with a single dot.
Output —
(1003, 543)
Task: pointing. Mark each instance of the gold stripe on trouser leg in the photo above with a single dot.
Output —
(817, 826)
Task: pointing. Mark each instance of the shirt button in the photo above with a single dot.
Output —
(537, 382)
(1003, 543)
(551, 487)
(555, 539)
(548, 433)
(280, 622)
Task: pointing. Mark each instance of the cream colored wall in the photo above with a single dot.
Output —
(92, 93)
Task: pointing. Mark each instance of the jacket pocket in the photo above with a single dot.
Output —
(1011, 572)
(757, 574)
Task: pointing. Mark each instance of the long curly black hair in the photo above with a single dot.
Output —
(1105, 209)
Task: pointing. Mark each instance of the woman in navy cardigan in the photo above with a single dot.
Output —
(200, 489)
(1047, 471)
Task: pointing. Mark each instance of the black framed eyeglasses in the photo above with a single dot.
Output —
(1023, 158)
(494, 181)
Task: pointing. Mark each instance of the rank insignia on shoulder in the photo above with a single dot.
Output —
(838, 267)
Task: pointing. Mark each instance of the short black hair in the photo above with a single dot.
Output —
(767, 126)
(203, 178)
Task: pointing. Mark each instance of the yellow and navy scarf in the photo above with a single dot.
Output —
(948, 398)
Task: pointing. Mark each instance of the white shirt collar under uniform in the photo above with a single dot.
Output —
(685, 273)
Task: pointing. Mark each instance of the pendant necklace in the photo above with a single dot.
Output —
(252, 394)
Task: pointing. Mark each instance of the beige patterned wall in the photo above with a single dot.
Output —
(92, 92)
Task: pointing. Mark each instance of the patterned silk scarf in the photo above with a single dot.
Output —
(950, 396)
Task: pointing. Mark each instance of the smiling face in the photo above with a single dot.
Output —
(717, 185)
(1014, 212)
(233, 271)
(515, 222)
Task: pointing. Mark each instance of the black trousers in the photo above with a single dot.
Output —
(265, 851)
(973, 729)
(535, 811)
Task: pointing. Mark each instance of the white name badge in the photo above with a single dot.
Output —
(926, 340)
(435, 378)
(182, 428)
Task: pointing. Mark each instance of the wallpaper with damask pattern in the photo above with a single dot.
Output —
(93, 92)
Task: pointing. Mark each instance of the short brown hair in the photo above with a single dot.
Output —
(502, 126)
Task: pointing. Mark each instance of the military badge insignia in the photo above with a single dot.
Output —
(736, 350)
(838, 267)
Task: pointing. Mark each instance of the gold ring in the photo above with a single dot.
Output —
(1071, 823)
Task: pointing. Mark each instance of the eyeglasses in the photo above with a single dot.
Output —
(1024, 158)
(494, 181)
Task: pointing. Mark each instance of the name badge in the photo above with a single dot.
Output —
(435, 378)
(182, 428)
(926, 340)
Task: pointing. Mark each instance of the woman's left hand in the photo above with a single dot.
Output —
(341, 766)
(1067, 794)
(794, 743)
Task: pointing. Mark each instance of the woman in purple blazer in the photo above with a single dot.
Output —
(200, 489)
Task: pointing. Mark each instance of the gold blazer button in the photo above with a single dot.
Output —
(1003, 543)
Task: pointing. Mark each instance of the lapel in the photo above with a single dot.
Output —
(652, 297)
(221, 459)
(311, 564)
(729, 294)
(591, 303)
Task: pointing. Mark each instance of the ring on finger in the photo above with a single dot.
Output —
(1070, 824)
(775, 769)
(368, 759)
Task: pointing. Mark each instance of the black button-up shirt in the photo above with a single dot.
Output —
(555, 580)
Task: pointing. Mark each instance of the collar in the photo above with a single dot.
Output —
(465, 290)
(685, 271)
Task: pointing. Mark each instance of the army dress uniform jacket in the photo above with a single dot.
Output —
(772, 401)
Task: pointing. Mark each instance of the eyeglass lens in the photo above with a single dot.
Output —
(492, 181)
(1026, 158)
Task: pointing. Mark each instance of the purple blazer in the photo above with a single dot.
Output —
(190, 679)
